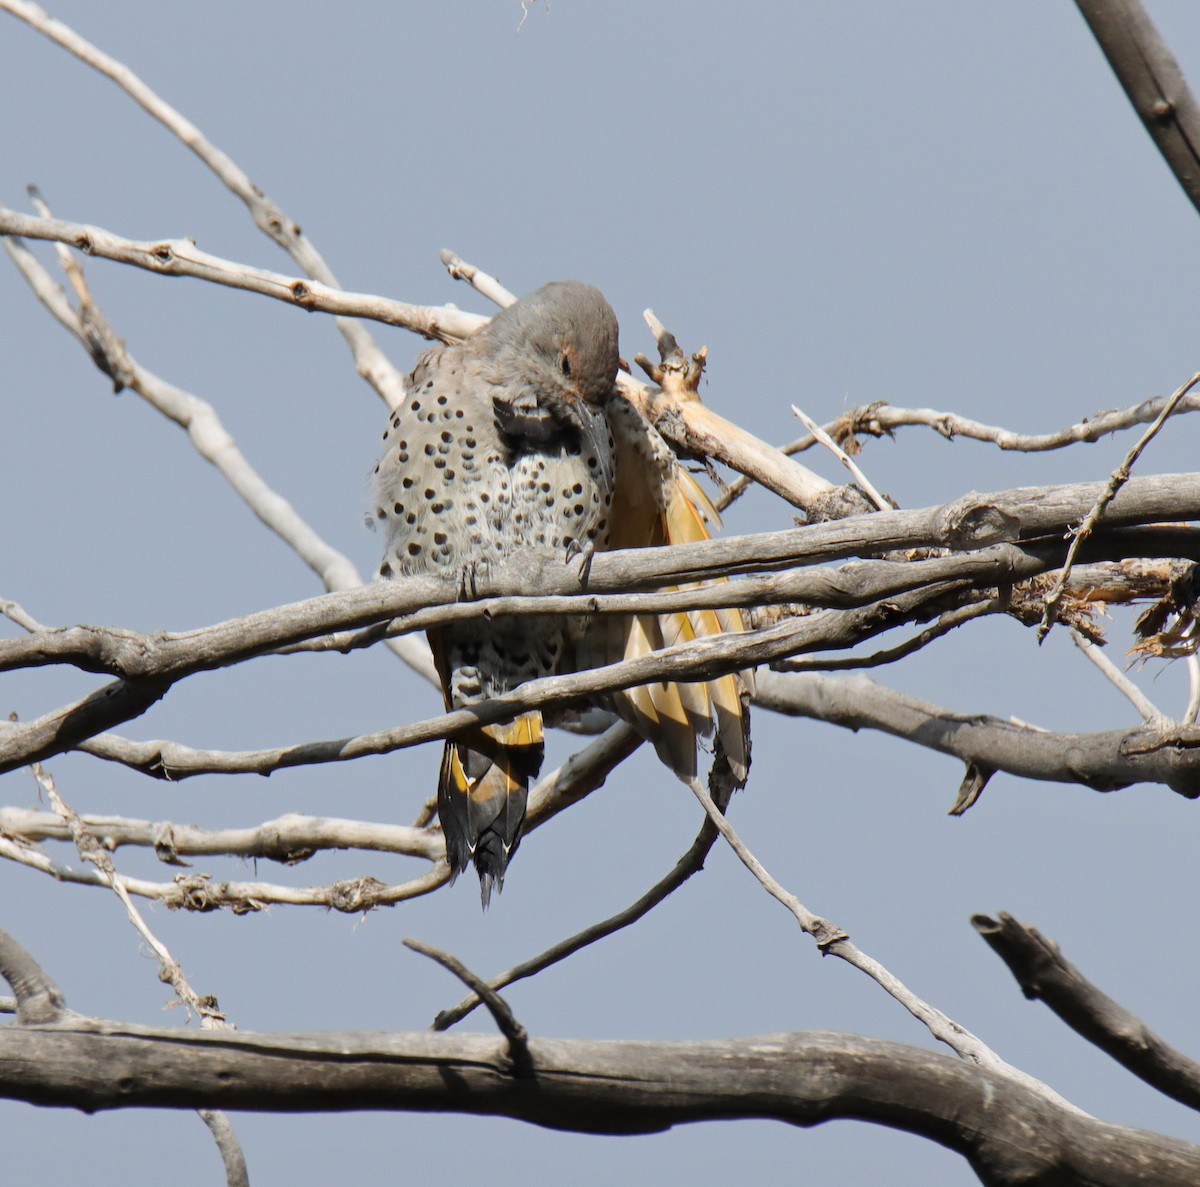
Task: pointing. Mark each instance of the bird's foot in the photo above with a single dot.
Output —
(469, 579)
(585, 553)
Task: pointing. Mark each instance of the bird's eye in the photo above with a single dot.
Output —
(566, 364)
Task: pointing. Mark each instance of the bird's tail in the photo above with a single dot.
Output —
(482, 791)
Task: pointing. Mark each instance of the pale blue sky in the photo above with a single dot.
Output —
(933, 204)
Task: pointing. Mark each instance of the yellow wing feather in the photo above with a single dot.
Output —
(658, 502)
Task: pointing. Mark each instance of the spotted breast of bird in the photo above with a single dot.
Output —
(518, 442)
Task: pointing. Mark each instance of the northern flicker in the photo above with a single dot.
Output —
(514, 442)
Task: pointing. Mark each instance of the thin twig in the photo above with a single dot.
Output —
(864, 483)
(480, 281)
(17, 613)
(1193, 705)
(181, 257)
(230, 1149)
(690, 863)
(882, 420)
(1150, 713)
(501, 1012)
(945, 623)
(90, 850)
(833, 941)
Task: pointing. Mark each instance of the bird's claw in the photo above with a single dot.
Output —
(586, 553)
(469, 577)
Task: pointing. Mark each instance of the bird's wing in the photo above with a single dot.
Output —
(656, 502)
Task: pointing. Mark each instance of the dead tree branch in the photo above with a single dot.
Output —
(1155, 85)
(1104, 761)
(371, 363)
(881, 419)
(1043, 973)
(1116, 480)
(1008, 1132)
(181, 257)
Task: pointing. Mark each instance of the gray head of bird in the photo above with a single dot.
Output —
(561, 338)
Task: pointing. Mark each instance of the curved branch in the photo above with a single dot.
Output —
(1008, 1131)
(228, 1147)
(1104, 761)
(882, 419)
(1044, 973)
(690, 863)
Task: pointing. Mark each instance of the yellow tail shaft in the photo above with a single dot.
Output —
(482, 792)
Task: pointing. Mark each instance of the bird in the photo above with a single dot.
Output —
(517, 442)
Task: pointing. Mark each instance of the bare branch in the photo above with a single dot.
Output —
(695, 430)
(17, 613)
(690, 863)
(1193, 705)
(944, 624)
(372, 364)
(1104, 761)
(975, 524)
(833, 941)
(825, 439)
(170, 971)
(1118, 478)
(287, 839)
(228, 1146)
(1150, 713)
(1010, 1132)
(91, 851)
(1044, 973)
(702, 659)
(481, 282)
(581, 774)
(291, 839)
(881, 419)
(160, 660)
(501, 1012)
(181, 257)
(1155, 85)
(675, 409)
(201, 892)
(215, 444)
